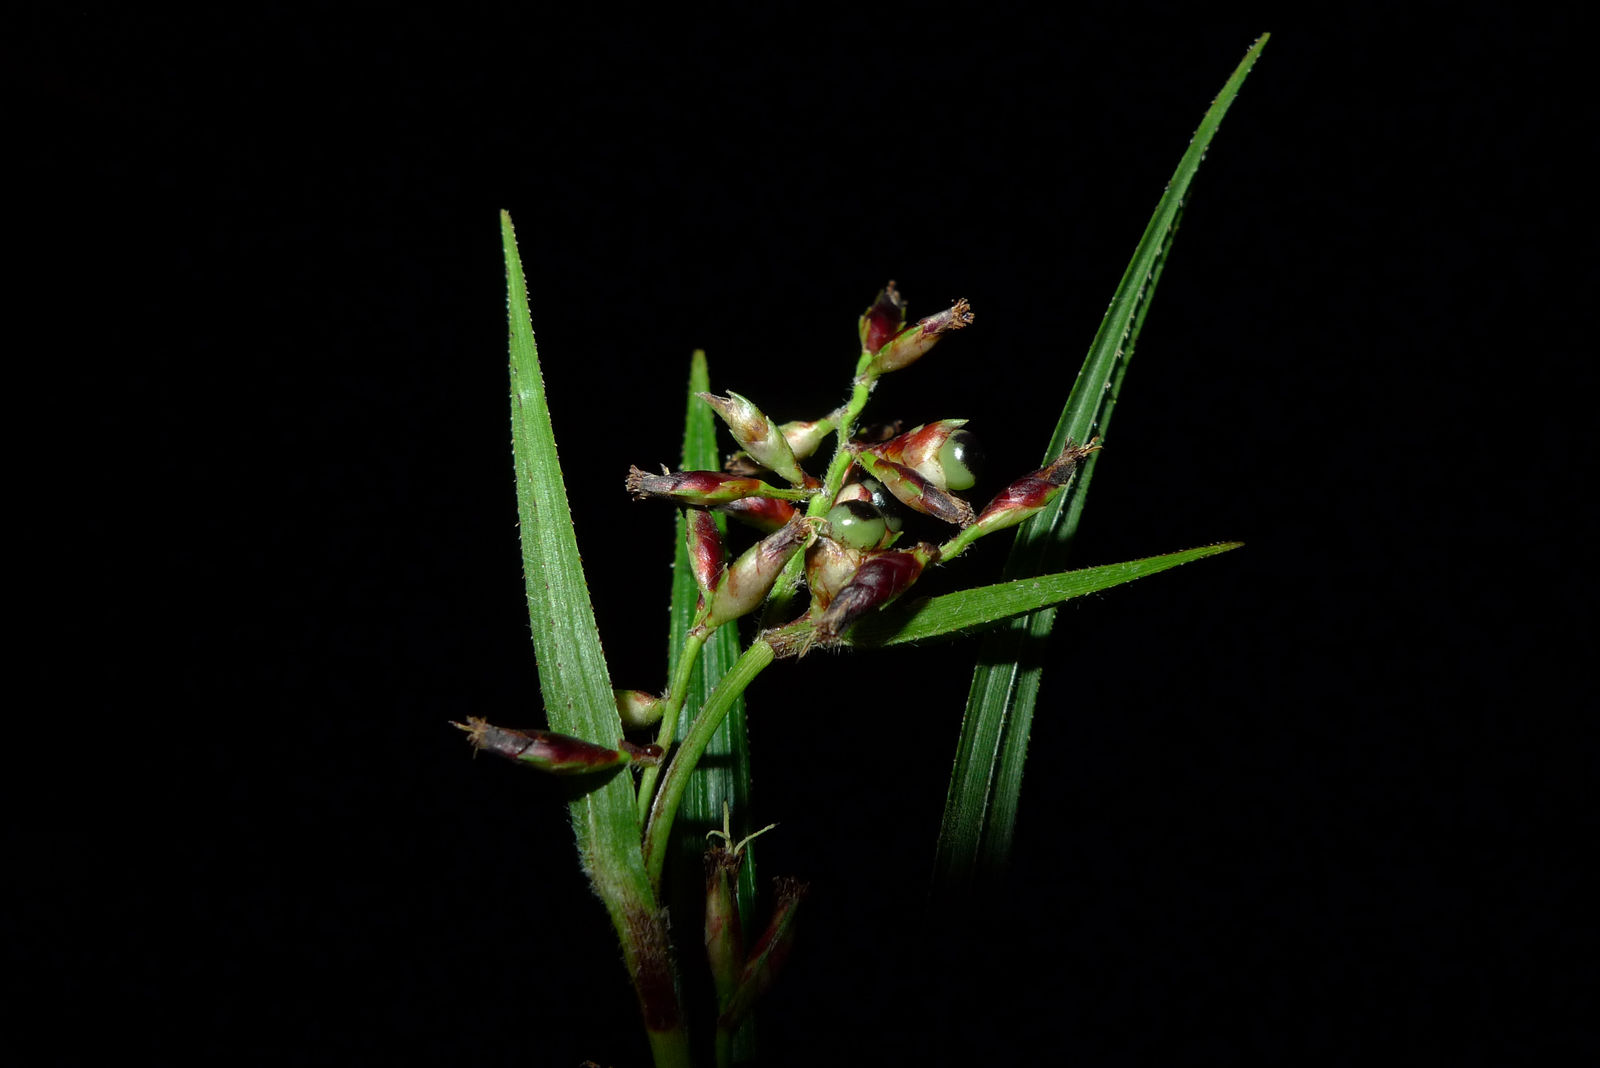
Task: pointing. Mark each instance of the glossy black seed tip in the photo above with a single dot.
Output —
(962, 457)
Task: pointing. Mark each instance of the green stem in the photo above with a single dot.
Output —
(670, 1049)
(659, 830)
(842, 456)
(788, 583)
(669, 716)
(958, 544)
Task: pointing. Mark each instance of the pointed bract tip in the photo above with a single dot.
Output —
(910, 345)
(883, 320)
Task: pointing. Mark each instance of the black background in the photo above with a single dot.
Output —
(1319, 799)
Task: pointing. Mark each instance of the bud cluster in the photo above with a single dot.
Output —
(853, 515)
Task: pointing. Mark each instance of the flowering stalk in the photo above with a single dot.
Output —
(880, 328)
(671, 706)
(664, 808)
(736, 590)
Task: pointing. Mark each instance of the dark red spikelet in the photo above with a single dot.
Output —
(880, 579)
(766, 514)
(882, 321)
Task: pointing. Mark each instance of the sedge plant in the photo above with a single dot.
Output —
(833, 502)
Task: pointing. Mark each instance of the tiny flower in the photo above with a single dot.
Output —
(915, 491)
(559, 754)
(830, 565)
(1028, 495)
(638, 709)
(724, 933)
(882, 321)
(757, 435)
(766, 514)
(761, 970)
(704, 542)
(703, 488)
(723, 936)
(746, 582)
(941, 452)
(912, 344)
(881, 578)
(804, 437)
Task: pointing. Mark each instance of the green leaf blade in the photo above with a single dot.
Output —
(723, 774)
(962, 613)
(574, 681)
(573, 677)
(985, 782)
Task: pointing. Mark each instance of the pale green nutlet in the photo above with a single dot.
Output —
(961, 457)
(885, 503)
(856, 524)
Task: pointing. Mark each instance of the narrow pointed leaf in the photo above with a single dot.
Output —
(573, 679)
(954, 614)
(723, 773)
(986, 780)
(578, 698)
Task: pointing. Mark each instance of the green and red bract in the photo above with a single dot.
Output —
(915, 491)
(913, 343)
(724, 934)
(765, 514)
(830, 565)
(638, 709)
(1029, 494)
(704, 488)
(768, 957)
(704, 543)
(937, 451)
(745, 583)
(759, 436)
(558, 754)
(881, 578)
(883, 320)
